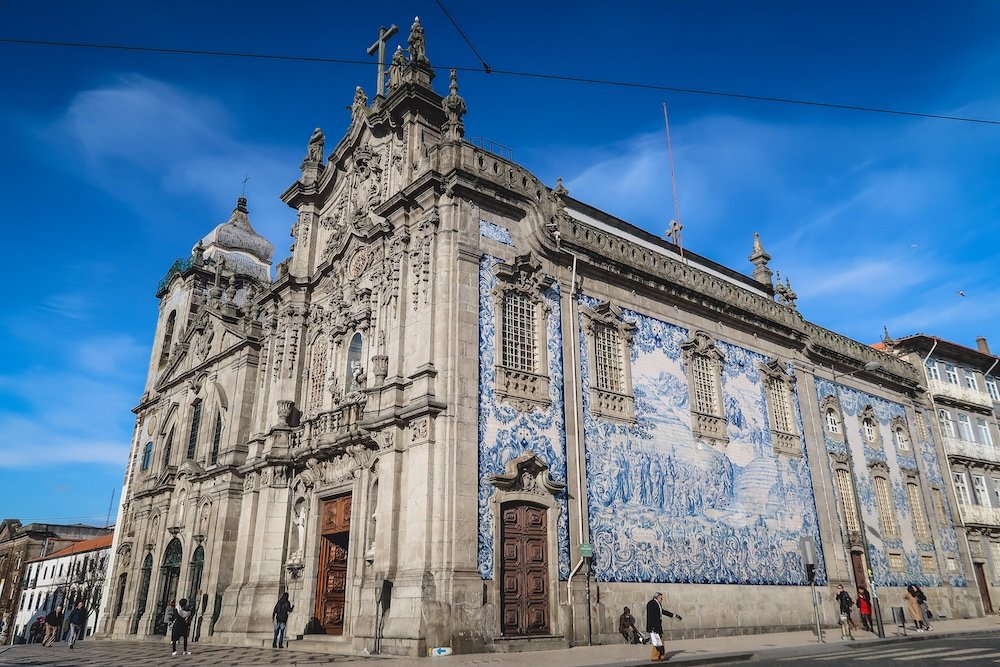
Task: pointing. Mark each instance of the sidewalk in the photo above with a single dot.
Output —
(714, 650)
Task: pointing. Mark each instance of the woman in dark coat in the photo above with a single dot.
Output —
(180, 629)
(654, 625)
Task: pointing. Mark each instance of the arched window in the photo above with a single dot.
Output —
(168, 448)
(195, 424)
(965, 428)
(902, 442)
(197, 567)
(869, 428)
(216, 438)
(120, 598)
(354, 370)
(145, 574)
(832, 421)
(147, 455)
(168, 337)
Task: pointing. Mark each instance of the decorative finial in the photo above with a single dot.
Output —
(418, 44)
(360, 105)
(241, 204)
(560, 189)
(760, 258)
(454, 107)
(886, 338)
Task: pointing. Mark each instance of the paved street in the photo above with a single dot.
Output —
(953, 652)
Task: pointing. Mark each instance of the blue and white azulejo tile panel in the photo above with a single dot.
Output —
(665, 508)
(491, 230)
(505, 433)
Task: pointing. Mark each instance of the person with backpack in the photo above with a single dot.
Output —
(180, 628)
(280, 617)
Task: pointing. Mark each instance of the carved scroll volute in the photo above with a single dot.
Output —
(527, 474)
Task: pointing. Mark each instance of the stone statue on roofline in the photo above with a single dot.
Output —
(315, 153)
(396, 68)
(360, 105)
(418, 44)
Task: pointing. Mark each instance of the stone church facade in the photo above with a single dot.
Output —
(460, 375)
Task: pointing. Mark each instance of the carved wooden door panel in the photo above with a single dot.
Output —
(331, 589)
(858, 565)
(524, 575)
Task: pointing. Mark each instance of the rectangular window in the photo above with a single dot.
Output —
(952, 565)
(947, 425)
(317, 375)
(608, 364)
(970, 380)
(884, 501)
(938, 496)
(965, 428)
(195, 424)
(896, 561)
(705, 393)
(846, 490)
(927, 563)
(952, 373)
(921, 426)
(518, 332)
(996, 491)
(777, 391)
(920, 528)
(216, 439)
(961, 488)
(832, 422)
(869, 429)
(902, 442)
(984, 432)
(979, 491)
(991, 387)
(995, 557)
(932, 370)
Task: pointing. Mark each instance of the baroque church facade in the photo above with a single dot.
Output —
(460, 376)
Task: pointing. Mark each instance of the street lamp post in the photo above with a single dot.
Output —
(870, 366)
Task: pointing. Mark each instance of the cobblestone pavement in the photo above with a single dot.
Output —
(99, 653)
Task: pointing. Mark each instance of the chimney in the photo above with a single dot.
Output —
(983, 346)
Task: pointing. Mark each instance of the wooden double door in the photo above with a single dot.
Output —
(524, 571)
(331, 589)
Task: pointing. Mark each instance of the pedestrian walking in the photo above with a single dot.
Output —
(913, 606)
(169, 614)
(77, 619)
(53, 625)
(846, 605)
(865, 608)
(925, 611)
(280, 617)
(180, 628)
(654, 626)
(626, 626)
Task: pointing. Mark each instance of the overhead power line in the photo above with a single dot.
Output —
(516, 73)
(486, 67)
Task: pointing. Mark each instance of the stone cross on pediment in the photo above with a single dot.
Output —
(384, 34)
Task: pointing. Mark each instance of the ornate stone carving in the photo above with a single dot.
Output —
(419, 429)
(784, 432)
(203, 343)
(454, 108)
(250, 482)
(124, 555)
(418, 44)
(285, 409)
(359, 108)
(708, 419)
(527, 473)
(759, 258)
(421, 256)
(380, 366)
(315, 151)
(605, 401)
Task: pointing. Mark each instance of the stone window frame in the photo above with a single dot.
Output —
(921, 523)
(776, 374)
(991, 388)
(316, 387)
(921, 424)
(887, 517)
(710, 426)
(827, 405)
(523, 390)
(900, 434)
(868, 416)
(850, 522)
(925, 559)
(947, 423)
(895, 555)
(618, 406)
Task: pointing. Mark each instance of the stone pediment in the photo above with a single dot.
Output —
(210, 336)
(527, 473)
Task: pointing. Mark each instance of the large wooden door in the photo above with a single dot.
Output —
(984, 591)
(524, 576)
(858, 565)
(331, 589)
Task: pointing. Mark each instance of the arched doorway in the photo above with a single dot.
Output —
(524, 570)
(144, 576)
(170, 574)
(331, 594)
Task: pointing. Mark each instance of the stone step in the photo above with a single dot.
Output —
(331, 644)
(523, 644)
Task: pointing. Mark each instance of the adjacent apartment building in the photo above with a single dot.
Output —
(962, 383)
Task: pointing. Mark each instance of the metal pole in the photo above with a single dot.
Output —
(590, 629)
(819, 630)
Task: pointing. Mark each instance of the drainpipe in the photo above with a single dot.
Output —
(575, 358)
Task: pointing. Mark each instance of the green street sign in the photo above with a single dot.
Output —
(586, 550)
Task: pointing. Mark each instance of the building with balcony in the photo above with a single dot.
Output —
(64, 577)
(962, 385)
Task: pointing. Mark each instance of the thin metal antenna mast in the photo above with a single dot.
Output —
(111, 504)
(674, 231)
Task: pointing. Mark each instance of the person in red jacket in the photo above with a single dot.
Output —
(865, 608)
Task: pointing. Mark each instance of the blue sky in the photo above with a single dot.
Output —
(116, 163)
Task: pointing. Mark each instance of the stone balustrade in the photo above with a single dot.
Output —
(979, 515)
(970, 450)
(960, 392)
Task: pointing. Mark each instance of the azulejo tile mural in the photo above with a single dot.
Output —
(665, 508)
(852, 403)
(491, 230)
(505, 432)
